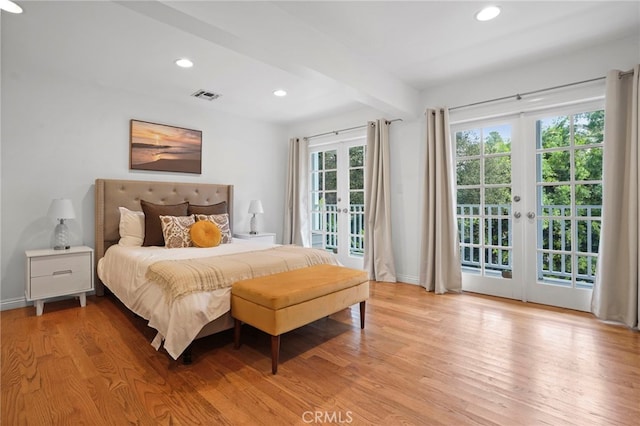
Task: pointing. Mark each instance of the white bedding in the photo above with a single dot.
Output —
(123, 270)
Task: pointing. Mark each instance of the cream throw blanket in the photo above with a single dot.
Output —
(181, 277)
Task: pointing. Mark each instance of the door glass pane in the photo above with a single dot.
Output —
(589, 128)
(500, 196)
(317, 162)
(554, 200)
(331, 183)
(469, 198)
(589, 197)
(588, 163)
(554, 166)
(588, 236)
(468, 172)
(497, 169)
(553, 132)
(356, 197)
(356, 156)
(469, 229)
(331, 199)
(497, 139)
(330, 161)
(356, 179)
(468, 143)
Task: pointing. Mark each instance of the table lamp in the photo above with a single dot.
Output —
(61, 209)
(254, 208)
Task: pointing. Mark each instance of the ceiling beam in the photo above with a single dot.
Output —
(267, 33)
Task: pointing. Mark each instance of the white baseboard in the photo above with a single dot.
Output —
(18, 302)
(408, 279)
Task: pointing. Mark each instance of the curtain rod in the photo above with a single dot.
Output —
(519, 96)
(337, 132)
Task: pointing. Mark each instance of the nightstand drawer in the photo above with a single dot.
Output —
(55, 266)
(63, 283)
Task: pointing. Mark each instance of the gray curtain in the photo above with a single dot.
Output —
(439, 249)
(378, 251)
(615, 294)
(296, 223)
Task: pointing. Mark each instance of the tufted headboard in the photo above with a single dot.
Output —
(111, 194)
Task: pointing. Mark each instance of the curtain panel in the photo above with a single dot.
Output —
(440, 270)
(296, 223)
(615, 295)
(378, 251)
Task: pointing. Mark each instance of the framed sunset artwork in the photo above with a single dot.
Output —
(164, 148)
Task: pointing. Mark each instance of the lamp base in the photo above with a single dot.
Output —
(61, 236)
(252, 223)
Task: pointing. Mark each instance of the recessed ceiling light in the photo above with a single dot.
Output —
(280, 92)
(488, 13)
(10, 6)
(184, 63)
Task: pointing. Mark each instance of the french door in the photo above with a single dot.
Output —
(488, 189)
(337, 199)
(566, 185)
(529, 197)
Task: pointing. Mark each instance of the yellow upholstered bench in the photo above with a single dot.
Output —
(282, 302)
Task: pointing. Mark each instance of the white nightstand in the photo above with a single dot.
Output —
(52, 273)
(262, 237)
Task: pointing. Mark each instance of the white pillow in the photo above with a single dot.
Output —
(131, 227)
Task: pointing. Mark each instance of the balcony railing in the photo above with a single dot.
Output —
(325, 228)
(555, 233)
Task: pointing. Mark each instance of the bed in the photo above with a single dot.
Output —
(125, 270)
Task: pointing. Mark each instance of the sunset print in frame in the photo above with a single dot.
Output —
(164, 148)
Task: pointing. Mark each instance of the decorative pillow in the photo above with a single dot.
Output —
(152, 227)
(220, 208)
(222, 221)
(205, 234)
(131, 227)
(175, 230)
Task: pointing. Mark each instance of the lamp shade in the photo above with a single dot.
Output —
(255, 207)
(61, 208)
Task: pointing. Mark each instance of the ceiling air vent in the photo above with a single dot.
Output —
(206, 95)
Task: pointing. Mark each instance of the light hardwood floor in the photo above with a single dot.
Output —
(422, 359)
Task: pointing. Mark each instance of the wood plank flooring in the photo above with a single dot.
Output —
(422, 359)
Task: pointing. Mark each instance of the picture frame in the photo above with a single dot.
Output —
(164, 148)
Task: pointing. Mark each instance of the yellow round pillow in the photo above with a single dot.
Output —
(205, 234)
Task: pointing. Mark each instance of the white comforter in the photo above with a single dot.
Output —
(123, 270)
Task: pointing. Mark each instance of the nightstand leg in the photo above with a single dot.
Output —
(83, 299)
(39, 307)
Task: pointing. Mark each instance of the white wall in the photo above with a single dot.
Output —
(407, 138)
(59, 135)
(582, 65)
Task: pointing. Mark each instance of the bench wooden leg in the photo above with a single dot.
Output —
(237, 326)
(275, 353)
(362, 309)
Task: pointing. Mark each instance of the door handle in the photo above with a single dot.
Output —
(531, 215)
(345, 210)
(517, 215)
